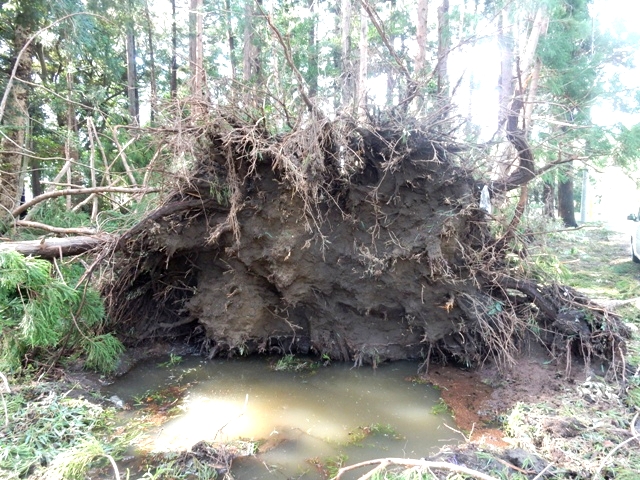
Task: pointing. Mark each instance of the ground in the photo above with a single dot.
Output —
(551, 406)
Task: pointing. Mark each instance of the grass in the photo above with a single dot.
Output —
(595, 261)
(589, 431)
(49, 434)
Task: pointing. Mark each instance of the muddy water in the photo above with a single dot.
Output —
(300, 416)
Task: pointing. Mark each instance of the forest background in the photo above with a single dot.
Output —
(95, 91)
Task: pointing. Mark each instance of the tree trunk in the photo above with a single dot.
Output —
(196, 57)
(16, 124)
(346, 65)
(538, 29)
(231, 38)
(444, 45)
(152, 63)
(390, 70)
(312, 52)
(566, 205)
(363, 46)
(505, 82)
(132, 75)
(421, 37)
(55, 247)
(548, 199)
(173, 76)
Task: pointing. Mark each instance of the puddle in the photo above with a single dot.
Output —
(301, 418)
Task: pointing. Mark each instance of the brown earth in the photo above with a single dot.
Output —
(480, 398)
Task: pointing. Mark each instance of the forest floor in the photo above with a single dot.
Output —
(558, 409)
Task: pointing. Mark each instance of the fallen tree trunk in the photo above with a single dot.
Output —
(56, 247)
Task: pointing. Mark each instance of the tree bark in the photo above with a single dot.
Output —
(132, 76)
(363, 46)
(196, 56)
(505, 82)
(55, 247)
(173, 76)
(231, 38)
(346, 65)
(548, 199)
(152, 63)
(566, 205)
(421, 36)
(312, 53)
(16, 124)
(444, 45)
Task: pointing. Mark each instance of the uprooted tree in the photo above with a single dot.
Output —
(363, 243)
(350, 236)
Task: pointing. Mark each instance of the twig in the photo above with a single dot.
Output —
(4, 402)
(407, 462)
(538, 476)
(619, 446)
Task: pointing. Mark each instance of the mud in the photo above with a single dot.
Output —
(480, 398)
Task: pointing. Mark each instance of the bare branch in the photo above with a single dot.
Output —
(78, 191)
(49, 228)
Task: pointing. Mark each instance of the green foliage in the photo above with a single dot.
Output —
(41, 314)
(54, 212)
(103, 352)
(440, 408)
(173, 361)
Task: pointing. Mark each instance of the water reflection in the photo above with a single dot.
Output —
(300, 416)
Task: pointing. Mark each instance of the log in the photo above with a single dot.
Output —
(56, 247)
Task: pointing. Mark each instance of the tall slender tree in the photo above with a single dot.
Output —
(173, 74)
(444, 46)
(132, 69)
(422, 8)
(346, 64)
(14, 111)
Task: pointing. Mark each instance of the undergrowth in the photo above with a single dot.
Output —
(48, 434)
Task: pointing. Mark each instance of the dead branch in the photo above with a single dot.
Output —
(406, 462)
(49, 228)
(77, 191)
(56, 247)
